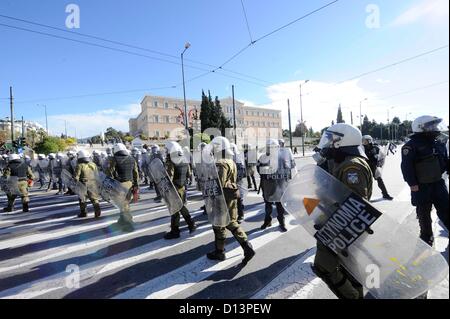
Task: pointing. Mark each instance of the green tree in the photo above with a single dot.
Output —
(50, 144)
(211, 114)
(300, 129)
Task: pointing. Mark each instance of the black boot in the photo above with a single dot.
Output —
(83, 212)
(249, 253)
(157, 199)
(267, 223)
(25, 208)
(173, 234)
(97, 210)
(218, 253)
(8, 209)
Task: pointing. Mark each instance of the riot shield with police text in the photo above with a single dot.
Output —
(112, 190)
(76, 186)
(215, 204)
(276, 174)
(383, 255)
(165, 186)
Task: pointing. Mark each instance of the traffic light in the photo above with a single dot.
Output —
(15, 144)
(22, 141)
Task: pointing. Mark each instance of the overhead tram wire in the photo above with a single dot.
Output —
(128, 45)
(209, 72)
(154, 58)
(273, 32)
(415, 90)
(111, 48)
(94, 95)
(246, 21)
(395, 64)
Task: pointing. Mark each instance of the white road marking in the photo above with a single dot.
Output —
(187, 276)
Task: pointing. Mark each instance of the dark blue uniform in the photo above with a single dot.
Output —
(424, 160)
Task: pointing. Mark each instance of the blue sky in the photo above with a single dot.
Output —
(330, 46)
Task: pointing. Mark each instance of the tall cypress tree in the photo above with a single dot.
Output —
(211, 114)
(340, 118)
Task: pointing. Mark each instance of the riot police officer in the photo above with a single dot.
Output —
(424, 160)
(376, 161)
(18, 168)
(241, 173)
(227, 171)
(85, 172)
(123, 168)
(52, 169)
(42, 169)
(155, 153)
(341, 148)
(250, 165)
(179, 172)
(269, 165)
(70, 166)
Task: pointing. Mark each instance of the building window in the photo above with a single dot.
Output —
(246, 112)
(156, 119)
(167, 119)
(175, 106)
(155, 104)
(166, 105)
(156, 133)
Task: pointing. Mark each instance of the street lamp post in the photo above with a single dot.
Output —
(186, 46)
(360, 114)
(46, 118)
(301, 118)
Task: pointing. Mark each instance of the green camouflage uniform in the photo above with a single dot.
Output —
(85, 173)
(227, 172)
(23, 188)
(355, 173)
(179, 178)
(125, 215)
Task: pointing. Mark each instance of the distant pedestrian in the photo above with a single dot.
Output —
(295, 151)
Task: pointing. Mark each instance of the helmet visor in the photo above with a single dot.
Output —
(329, 138)
(436, 125)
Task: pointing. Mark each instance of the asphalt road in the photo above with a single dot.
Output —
(49, 253)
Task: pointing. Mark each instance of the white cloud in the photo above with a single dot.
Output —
(89, 124)
(431, 11)
(320, 102)
(382, 81)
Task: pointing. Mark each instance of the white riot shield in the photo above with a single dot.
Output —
(276, 174)
(381, 159)
(10, 185)
(76, 186)
(112, 190)
(367, 242)
(215, 204)
(165, 186)
(241, 174)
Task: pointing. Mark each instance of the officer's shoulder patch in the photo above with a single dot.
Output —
(353, 178)
(405, 151)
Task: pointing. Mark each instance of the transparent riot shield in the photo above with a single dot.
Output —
(390, 261)
(10, 185)
(165, 186)
(215, 204)
(76, 186)
(276, 174)
(111, 190)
